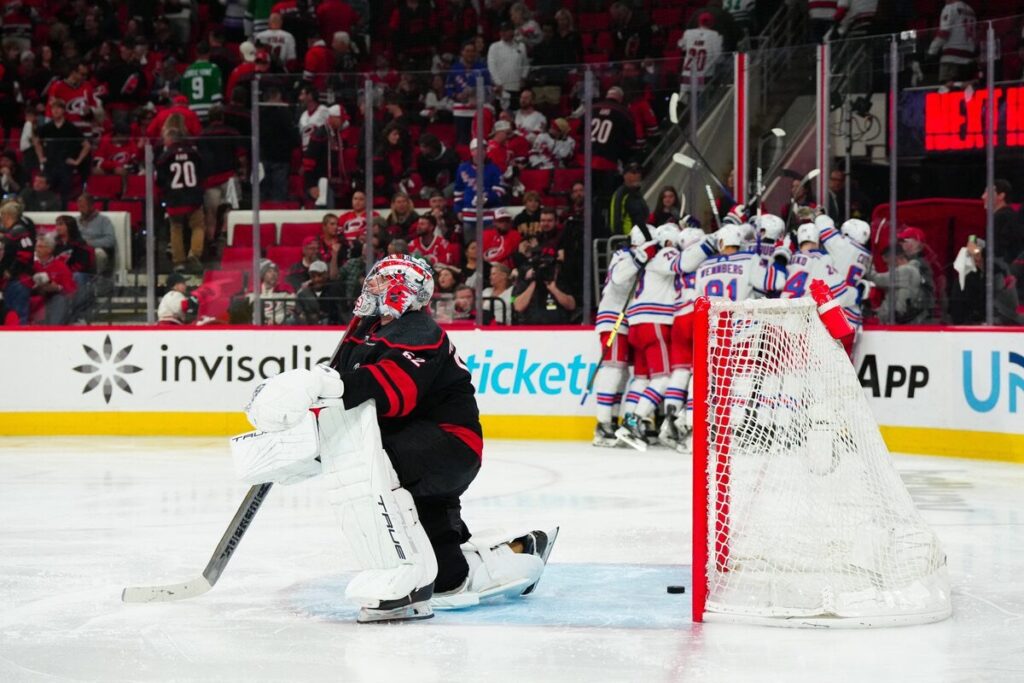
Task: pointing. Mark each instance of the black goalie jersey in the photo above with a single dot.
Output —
(410, 367)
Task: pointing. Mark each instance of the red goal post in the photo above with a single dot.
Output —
(799, 516)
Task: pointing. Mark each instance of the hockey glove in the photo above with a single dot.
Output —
(282, 401)
(644, 253)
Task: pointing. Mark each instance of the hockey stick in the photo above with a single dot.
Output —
(218, 561)
(615, 332)
(714, 207)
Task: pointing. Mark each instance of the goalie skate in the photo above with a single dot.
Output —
(413, 607)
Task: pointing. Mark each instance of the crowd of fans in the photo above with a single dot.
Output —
(84, 85)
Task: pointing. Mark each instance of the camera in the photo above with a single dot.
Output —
(544, 265)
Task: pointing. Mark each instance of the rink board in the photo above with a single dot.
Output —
(934, 391)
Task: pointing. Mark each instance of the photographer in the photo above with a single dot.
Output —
(543, 296)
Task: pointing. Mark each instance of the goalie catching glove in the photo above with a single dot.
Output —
(282, 402)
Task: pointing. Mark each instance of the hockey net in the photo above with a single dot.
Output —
(800, 518)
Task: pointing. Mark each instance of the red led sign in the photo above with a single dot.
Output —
(955, 122)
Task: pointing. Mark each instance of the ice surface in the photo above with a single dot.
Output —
(81, 518)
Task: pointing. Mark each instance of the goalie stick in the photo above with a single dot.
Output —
(225, 549)
(218, 561)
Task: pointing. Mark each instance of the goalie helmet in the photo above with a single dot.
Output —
(772, 227)
(857, 230)
(808, 232)
(689, 237)
(394, 285)
(666, 234)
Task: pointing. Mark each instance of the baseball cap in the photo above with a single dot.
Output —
(248, 51)
(318, 267)
(502, 214)
(634, 167)
(175, 279)
(473, 144)
(562, 125)
(911, 234)
(501, 126)
(309, 240)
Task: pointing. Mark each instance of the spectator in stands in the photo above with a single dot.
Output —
(279, 42)
(52, 284)
(498, 151)
(465, 303)
(181, 176)
(471, 264)
(222, 148)
(118, 153)
(631, 32)
(501, 242)
(508, 65)
(800, 197)
(924, 258)
(835, 200)
(460, 85)
(333, 16)
(202, 82)
(40, 197)
(701, 47)
(313, 114)
(910, 302)
(956, 42)
(237, 113)
(347, 57)
(967, 298)
(528, 121)
(276, 308)
(822, 16)
(501, 289)
(17, 250)
(61, 149)
(465, 190)
(179, 115)
(10, 180)
(669, 209)
(322, 163)
(527, 31)
(445, 280)
(430, 245)
(319, 300)
(76, 93)
(437, 104)
(628, 207)
(278, 138)
(174, 305)
(244, 71)
(436, 164)
(318, 63)
(527, 221)
(331, 247)
(413, 31)
(402, 218)
(124, 83)
(225, 59)
(855, 17)
(73, 248)
(555, 148)
(543, 296)
(352, 224)
(447, 222)
(1009, 234)
(560, 46)
(396, 151)
(98, 232)
(298, 273)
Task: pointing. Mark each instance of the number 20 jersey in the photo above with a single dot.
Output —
(180, 176)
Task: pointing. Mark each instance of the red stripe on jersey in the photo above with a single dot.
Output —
(466, 436)
(389, 393)
(403, 382)
(407, 347)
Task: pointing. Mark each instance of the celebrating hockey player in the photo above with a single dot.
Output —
(852, 260)
(613, 373)
(810, 263)
(733, 274)
(398, 441)
(650, 326)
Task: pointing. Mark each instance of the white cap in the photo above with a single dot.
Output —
(501, 213)
(807, 232)
(334, 110)
(502, 125)
(473, 144)
(248, 51)
(318, 267)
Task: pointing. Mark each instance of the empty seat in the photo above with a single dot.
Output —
(564, 179)
(535, 180)
(284, 257)
(135, 187)
(230, 281)
(293, 234)
(134, 207)
(236, 258)
(104, 186)
(242, 235)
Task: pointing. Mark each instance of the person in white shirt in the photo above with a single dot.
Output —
(508, 65)
(855, 17)
(554, 149)
(529, 122)
(956, 41)
(314, 114)
(501, 288)
(280, 42)
(701, 47)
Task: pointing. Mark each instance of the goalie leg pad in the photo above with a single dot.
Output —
(378, 517)
(283, 457)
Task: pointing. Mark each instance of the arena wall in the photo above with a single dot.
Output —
(934, 391)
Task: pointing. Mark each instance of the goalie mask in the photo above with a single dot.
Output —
(395, 284)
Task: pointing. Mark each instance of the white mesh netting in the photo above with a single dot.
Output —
(808, 520)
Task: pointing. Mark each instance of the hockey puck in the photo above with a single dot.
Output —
(676, 589)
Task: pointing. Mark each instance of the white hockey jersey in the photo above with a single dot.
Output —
(822, 9)
(701, 48)
(852, 261)
(736, 277)
(281, 44)
(805, 266)
(686, 293)
(617, 283)
(547, 152)
(655, 298)
(956, 35)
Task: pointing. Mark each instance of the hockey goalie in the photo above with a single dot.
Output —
(395, 435)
